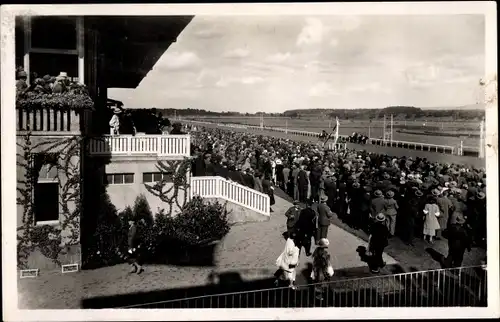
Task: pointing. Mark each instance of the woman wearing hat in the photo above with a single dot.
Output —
(114, 123)
(322, 269)
(377, 203)
(377, 241)
(390, 211)
(431, 223)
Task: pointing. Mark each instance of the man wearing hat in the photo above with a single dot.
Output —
(325, 217)
(377, 204)
(133, 245)
(305, 227)
(292, 216)
(458, 241)
(377, 241)
(390, 211)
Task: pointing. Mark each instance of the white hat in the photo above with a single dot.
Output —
(63, 74)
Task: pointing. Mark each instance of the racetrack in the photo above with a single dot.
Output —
(397, 152)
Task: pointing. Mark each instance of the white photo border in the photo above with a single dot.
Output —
(8, 152)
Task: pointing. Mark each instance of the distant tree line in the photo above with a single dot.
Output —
(398, 112)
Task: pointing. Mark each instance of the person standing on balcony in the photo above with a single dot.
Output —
(22, 81)
(377, 241)
(127, 123)
(114, 123)
(60, 83)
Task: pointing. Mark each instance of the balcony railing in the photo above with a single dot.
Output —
(48, 120)
(218, 187)
(455, 287)
(128, 145)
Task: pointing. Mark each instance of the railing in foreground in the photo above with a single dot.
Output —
(160, 145)
(218, 187)
(456, 287)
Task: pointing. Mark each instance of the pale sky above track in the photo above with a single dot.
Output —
(277, 63)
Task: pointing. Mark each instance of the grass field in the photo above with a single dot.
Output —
(374, 129)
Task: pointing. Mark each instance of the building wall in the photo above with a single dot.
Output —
(123, 195)
(70, 243)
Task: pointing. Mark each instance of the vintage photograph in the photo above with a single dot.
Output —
(251, 161)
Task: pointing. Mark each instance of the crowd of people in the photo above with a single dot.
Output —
(47, 84)
(411, 198)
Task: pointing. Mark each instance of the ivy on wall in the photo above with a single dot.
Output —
(176, 194)
(51, 241)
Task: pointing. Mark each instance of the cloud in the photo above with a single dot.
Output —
(334, 42)
(346, 23)
(208, 33)
(175, 61)
(237, 53)
(373, 87)
(251, 80)
(247, 80)
(312, 33)
(278, 58)
(322, 89)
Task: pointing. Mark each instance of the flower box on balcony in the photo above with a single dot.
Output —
(52, 112)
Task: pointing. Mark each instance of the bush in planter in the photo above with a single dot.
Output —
(198, 224)
(69, 100)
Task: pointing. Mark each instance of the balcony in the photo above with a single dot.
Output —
(49, 120)
(168, 146)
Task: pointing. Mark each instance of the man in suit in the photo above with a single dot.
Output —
(302, 183)
(305, 228)
(325, 216)
(292, 216)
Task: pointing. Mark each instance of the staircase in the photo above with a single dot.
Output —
(247, 204)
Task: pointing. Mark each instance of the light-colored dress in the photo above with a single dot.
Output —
(290, 256)
(431, 223)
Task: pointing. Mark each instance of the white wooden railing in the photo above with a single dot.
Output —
(128, 145)
(218, 187)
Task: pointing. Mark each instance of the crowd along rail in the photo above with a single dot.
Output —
(218, 187)
(447, 149)
(130, 145)
(452, 287)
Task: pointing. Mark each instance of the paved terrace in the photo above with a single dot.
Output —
(249, 250)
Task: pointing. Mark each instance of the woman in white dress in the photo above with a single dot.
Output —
(287, 263)
(431, 223)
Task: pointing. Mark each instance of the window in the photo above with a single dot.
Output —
(119, 178)
(46, 202)
(53, 64)
(150, 177)
(53, 32)
(46, 188)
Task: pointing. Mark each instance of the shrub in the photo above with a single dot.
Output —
(163, 235)
(68, 100)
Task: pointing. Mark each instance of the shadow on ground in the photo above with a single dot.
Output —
(229, 290)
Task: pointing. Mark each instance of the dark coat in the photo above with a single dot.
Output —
(380, 235)
(325, 215)
(307, 221)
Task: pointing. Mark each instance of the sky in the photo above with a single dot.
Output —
(277, 63)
